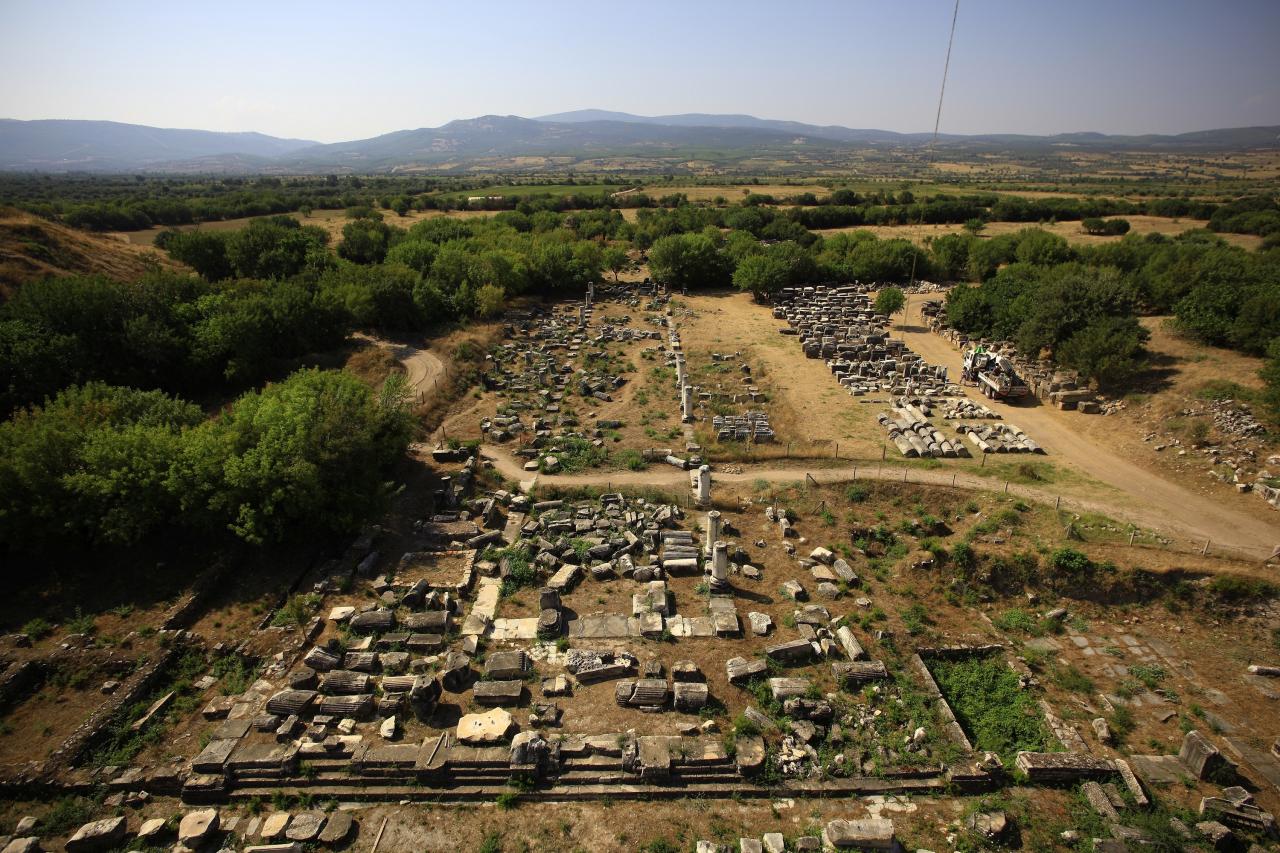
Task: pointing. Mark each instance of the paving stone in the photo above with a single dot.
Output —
(23, 844)
(337, 828)
(98, 835)
(195, 827)
(274, 826)
(305, 826)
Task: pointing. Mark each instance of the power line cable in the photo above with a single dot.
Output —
(937, 122)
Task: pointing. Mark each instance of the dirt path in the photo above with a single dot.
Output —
(422, 366)
(663, 477)
(1122, 489)
(1165, 504)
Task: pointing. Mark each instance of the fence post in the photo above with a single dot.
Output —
(904, 474)
(1204, 552)
(983, 464)
(882, 453)
(953, 479)
(1132, 533)
(1057, 501)
(837, 450)
(1006, 487)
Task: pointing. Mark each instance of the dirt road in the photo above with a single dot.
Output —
(1128, 491)
(664, 477)
(1165, 505)
(422, 366)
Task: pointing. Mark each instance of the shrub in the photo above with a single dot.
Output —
(1016, 620)
(964, 558)
(37, 628)
(1069, 561)
(1234, 588)
(990, 704)
(744, 727)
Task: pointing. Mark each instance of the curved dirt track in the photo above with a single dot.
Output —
(422, 366)
(1164, 504)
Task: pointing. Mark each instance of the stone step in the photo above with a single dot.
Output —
(594, 790)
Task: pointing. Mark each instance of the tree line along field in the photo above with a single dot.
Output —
(126, 204)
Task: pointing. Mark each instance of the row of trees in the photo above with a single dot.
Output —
(1251, 215)
(1078, 305)
(104, 464)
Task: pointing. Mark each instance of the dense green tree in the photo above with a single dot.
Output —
(489, 300)
(311, 453)
(276, 247)
(203, 251)
(1041, 247)
(1270, 374)
(889, 301)
(951, 255)
(90, 465)
(690, 261)
(1109, 349)
(378, 297)
(616, 260)
(1257, 322)
(418, 255)
(762, 275)
(365, 241)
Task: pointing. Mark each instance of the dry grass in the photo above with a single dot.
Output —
(32, 248)
(808, 409)
(373, 363)
(1071, 231)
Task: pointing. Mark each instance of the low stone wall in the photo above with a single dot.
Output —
(75, 747)
(18, 680)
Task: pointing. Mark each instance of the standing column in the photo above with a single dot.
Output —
(719, 567)
(713, 530)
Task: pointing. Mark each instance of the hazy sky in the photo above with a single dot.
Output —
(334, 71)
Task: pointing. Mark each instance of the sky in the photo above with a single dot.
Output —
(335, 71)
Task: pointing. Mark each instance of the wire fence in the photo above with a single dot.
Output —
(1088, 521)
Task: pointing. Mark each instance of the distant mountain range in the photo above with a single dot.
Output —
(584, 138)
(57, 145)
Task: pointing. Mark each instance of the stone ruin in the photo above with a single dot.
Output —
(751, 427)
(838, 324)
(551, 354)
(911, 432)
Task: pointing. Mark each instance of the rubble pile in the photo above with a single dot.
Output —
(839, 325)
(752, 426)
(549, 355)
(964, 409)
